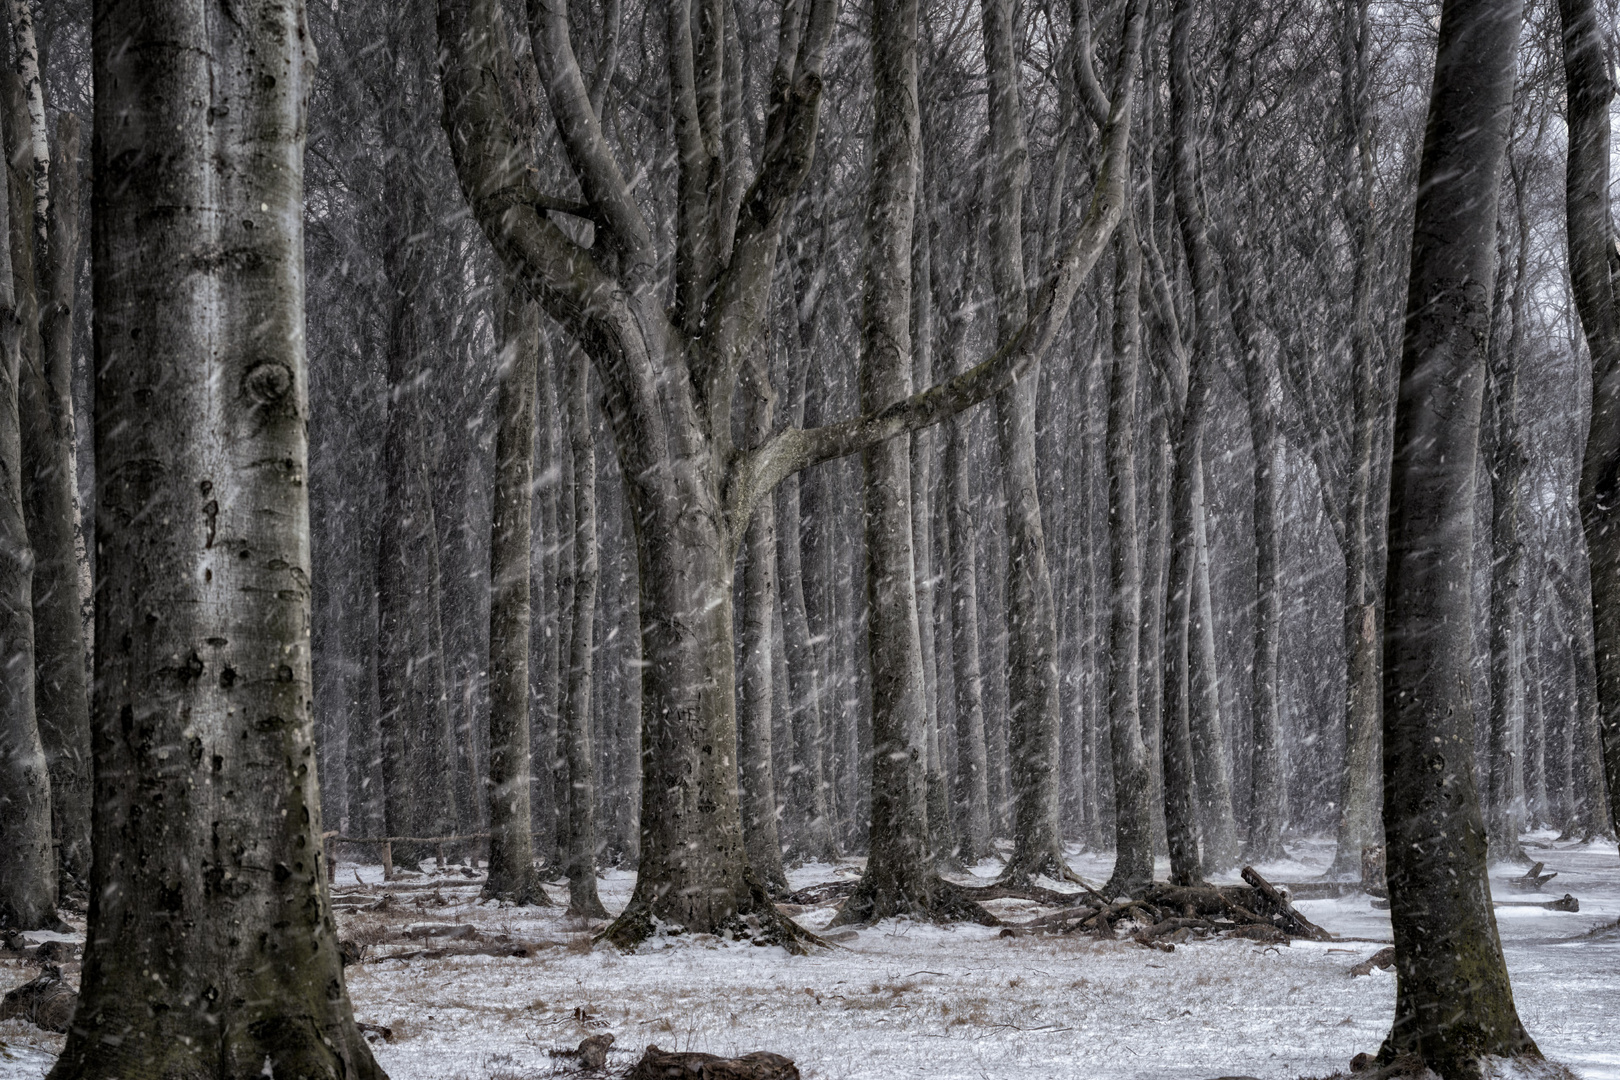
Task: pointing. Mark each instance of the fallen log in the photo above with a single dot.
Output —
(1563, 903)
(658, 1064)
(46, 1002)
(1383, 959)
(813, 895)
(1277, 907)
(1533, 880)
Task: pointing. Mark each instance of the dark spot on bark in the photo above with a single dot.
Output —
(126, 720)
(217, 642)
(269, 82)
(269, 724)
(219, 763)
(126, 642)
(170, 898)
(227, 678)
(247, 223)
(242, 554)
(206, 487)
(281, 873)
(211, 512)
(194, 747)
(284, 674)
(268, 383)
(192, 669)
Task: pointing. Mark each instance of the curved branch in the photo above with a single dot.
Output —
(762, 468)
(592, 160)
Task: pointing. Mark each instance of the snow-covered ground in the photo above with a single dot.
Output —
(905, 1000)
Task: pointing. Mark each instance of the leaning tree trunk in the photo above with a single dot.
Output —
(512, 873)
(211, 950)
(1032, 678)
(579, 852)
(28, 881)
(1133, 820)
(1591, 253)
(1453, 1003)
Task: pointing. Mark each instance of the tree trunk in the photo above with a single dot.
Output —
(1505, 803)
(407, 697)
(1267, 776)
(1591, 270)
(1453, 1003)
(1359, 825)
(756, 777)
(512, 873)
(812, 837)
(211, 948)
(972, 762)
(1181, 643)
(1133, 824)
(51, 499)
(546, 653)
(899, 879)
(1032, 684)
(28, 878)
(1211, 764)
(579, 852)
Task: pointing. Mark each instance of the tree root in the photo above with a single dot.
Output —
(936, 900)
(756, 919)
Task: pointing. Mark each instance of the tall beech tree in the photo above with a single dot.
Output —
(1453, 1002)
(28, 879)
(1592, 271)
(512, 874)
(669, 374)
(211, 948)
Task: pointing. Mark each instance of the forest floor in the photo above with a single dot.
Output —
(903, 1000)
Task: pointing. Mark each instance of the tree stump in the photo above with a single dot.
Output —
(658, 1064)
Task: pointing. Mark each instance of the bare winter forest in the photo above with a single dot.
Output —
(759, 539)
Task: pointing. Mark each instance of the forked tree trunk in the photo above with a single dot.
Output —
(1453, 1002)
(579, 851)
(28, 882)
(512, 873)
(1591, 246)
(211, 950)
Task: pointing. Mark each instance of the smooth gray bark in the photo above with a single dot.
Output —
(1212, 767)
(512, 874)
(211, 947)
(574, 730)
(1590, 85)
(28, 881)
(1133, 823)
(1453, 1002)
